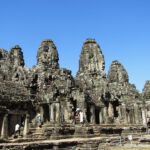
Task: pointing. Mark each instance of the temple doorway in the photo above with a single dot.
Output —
(13, 119)
(115, 106)
(88, 113)
(46, 113)
(97, 116)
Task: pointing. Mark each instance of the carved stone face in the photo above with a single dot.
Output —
(16, 56)
(91, 58)
(117, 73)
(43, 58)
(146, 90)
(47, 55)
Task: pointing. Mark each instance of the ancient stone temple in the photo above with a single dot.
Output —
(110, 104)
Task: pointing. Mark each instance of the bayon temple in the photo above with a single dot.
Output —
(110, 104)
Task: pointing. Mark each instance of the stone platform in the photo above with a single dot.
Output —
(95, 143)
(75, 136)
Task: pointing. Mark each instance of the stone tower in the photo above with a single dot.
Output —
(117, 73)
(146, 90)
(3, 64)
(91, 65)
(47, 56)
(16, 57)
(91, 57)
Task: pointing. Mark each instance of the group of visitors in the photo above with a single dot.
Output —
(79, 114)
(18, 126)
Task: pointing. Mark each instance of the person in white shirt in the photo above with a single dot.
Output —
(38, 120)
(38, 116)
(17, 129)
(81, 117)
(78, 111)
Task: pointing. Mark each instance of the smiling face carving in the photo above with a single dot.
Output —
(91, 58)
(47, 55)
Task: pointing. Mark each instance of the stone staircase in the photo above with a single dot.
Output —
(35, 132)
(77, 119)
(96, 131)
(66, 131)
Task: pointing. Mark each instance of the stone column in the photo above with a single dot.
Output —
(26, 126)
(42, 113)
(52, 113)
(110, 110)
(4, 131)
(57, 113)
(105, 114)
(144, 117)
(129, 119)
(62, 113)
(140, 116)
(133, 116)
(119, 112)
(92, 118)
(67, 112)
(84, 115)
(124, 114)
(136, 113)
(100, 116)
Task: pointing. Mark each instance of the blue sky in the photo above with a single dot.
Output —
(120, 27)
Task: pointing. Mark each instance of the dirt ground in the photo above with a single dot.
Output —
(140, 148)
(133, 147)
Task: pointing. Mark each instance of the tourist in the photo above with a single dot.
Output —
(38, 120)
(81, 117)
(73, 118)
(17, 130)
(78, 111)
(73, 109)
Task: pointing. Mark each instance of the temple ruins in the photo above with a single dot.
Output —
(111, 105)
